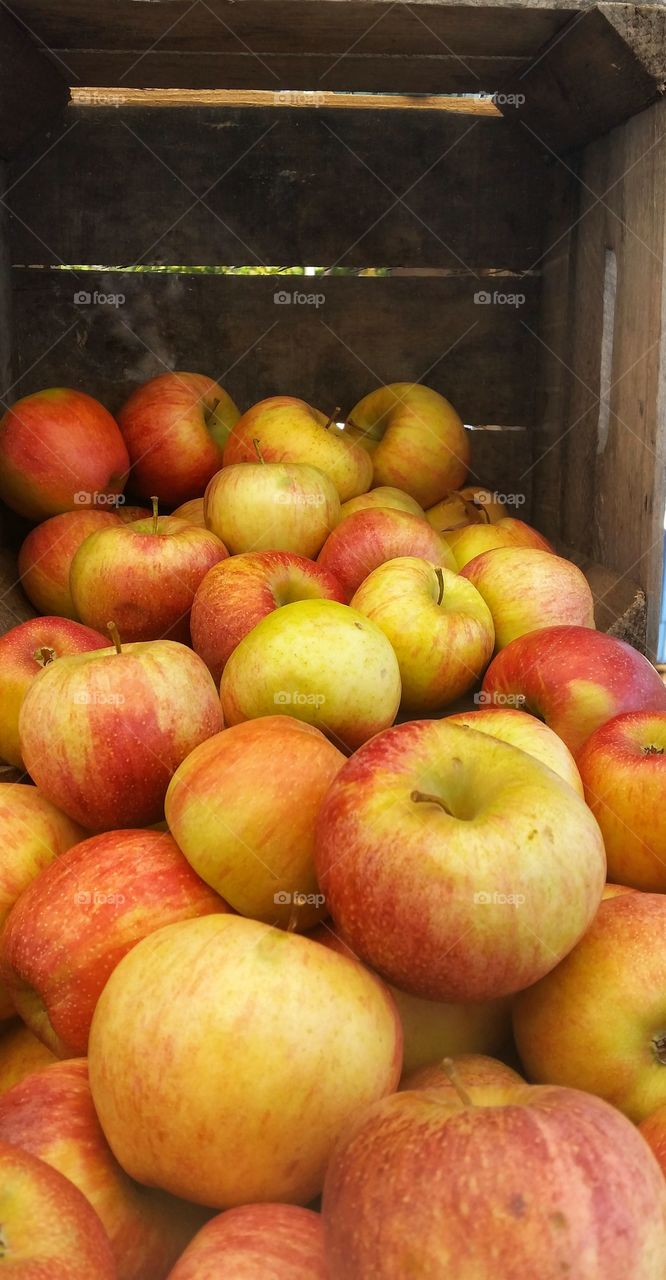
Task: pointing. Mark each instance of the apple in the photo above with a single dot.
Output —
(575, 679)
(51, 1115)
(522, 730)
(438, 625)
(32, 833)
(288, 430)
(47, 553)
(25, 651)
(368, 538)
(242, 807)
(237, 593)
(239, 1041)
(21, 1053)
(385, 496)
(256, 1241)
(175, 427)
(102, 733)
(491, 505)
(48, 1228)
(526, 590)
(319, 661)
(74, 923)
(466, 1070)
(433, 1029)
(623, 767)
(525, 1183)
(421, 444)
(144, 576)
(453, 511)
(473, 539)
(597, 1021)
(58, 449)
(616, 890)
(192, 511)
(272, 506)
(445, 857)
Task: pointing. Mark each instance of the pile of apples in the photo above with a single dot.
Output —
(333, 892)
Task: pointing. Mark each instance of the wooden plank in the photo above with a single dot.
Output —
(365, 332)
(461, 104)
(605, 66)
(33, 89)
(253, 186)
(614, 451)
(5, 297)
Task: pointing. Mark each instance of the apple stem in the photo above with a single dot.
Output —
(258, 452)
(650, 751)
(44, 655)
(449, 1068)
(156, 503)
(422, 797)
(115, 636)
(439, 574)
(333, 417)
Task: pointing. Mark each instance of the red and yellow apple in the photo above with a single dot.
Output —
(192, 511)
(445, 858)
(59, 449)
(439, 627)
(526, 589)
(520, 729)
(237, 593)
(256, 1241)
(319, 661)
(465, 1070)
(46, 556)
(25, 651)
(368, 538)
(175, 427)
(239, 1036)
(575, 679)
(272, 506)
(474, 539)
(73, 924)
(102, 733)
(384, 496)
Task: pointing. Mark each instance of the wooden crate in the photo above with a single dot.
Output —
(320, 133)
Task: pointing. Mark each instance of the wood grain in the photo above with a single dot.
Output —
(33, 90)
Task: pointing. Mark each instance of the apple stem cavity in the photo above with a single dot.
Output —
(332, 418)
(257, 450)
(478, 506)
(450, 1070)
(439, 574)
(156, 515)
(44, 655)
(115, 636)
(422, 797)
(651, 750)
(659, 1047)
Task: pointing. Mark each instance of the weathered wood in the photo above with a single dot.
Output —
(5, 297)
(619, 603)
(461, 104)
(613, 444)
(14, 606)
(33, 89)
(604, 67)
(253, 186)
(363, 333)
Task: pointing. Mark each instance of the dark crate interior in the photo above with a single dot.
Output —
(550, 199)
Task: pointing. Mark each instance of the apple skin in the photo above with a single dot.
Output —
(616, 890)
(520, 729)
(46, 555)
(51, 1115)
(320, 661)
(144, 576)
(598, 1022)
(102, 733)
(192, 511)
(440, 629)
(422, 446)
(653, 1129)
(56, 445)
(432, 1030)
(32, 833)
(474, 539)
(453, 511)
(60, 943)
(48, 1227)
(220, 1049)
(21, 1053)
(527, 590)
(368, 538)
(466, 1070)
(256, 1241)
(434, 902)
(175, 427)
(240, 591)
(551, 1183)
(623, 767)
(272, 506)
(242, 807)
(385, 497)
(291, 431)
(25, 651)
(575, 679)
